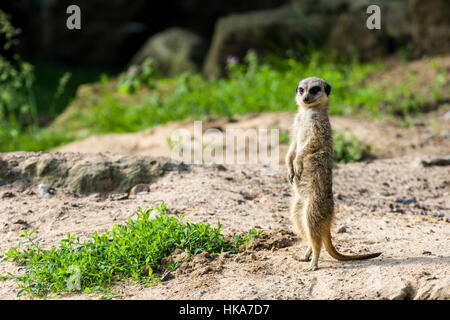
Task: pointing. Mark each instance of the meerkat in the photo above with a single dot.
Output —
(310, 163)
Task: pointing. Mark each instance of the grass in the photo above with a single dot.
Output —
(141, 98)
(131, 250)
(348, 148)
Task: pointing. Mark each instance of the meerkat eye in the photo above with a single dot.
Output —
(301, 90)
(314, 90)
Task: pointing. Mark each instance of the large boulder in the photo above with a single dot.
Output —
(85, 173)
(235, 34)
(175, 50)
(338, 24)
(431, 26)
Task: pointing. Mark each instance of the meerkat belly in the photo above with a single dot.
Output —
(316, 177)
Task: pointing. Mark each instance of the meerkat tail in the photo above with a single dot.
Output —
(343, 257)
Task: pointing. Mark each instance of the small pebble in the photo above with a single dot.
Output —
(342, 230)
(447, 115)
(200, 293)
(8, 194)
(140, 189)
(165, 276)
(43, 189)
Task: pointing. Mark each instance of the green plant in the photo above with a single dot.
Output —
(138, 76)
(59, 92)
(124, 252)
(348, 148)
(17, 101)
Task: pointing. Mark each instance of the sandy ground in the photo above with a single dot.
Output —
(396, 206)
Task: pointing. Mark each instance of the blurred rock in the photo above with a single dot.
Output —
(175, 50)
(438, 161)
(235, 34)
(340, 25)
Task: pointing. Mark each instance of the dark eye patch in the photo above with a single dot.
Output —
(301, 90)
(314, 90)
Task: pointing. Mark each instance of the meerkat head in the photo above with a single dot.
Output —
(312, 92)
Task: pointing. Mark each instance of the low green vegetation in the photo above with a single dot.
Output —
(348, 148)
(131, 250)
(141, 97)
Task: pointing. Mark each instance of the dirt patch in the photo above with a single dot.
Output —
(373, 203)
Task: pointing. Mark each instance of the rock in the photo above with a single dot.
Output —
(430, 26)
(447, 116)
(439, 291)
(342, 230)
(407, 200)
(165, 276)
(43, 189)
(439, 161)
(22, 222)
(339, 24)
(119, 196)
(235, 34)
(8, 194)
(220, 167)
(87, 174)
(445, 134)
(406, 292)
(139, 189)
(175, 50)
(200, 293)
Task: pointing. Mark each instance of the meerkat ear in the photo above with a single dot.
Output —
(327, 89)
(296, 89)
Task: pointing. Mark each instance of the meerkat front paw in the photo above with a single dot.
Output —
(290, 176)
(298, 168)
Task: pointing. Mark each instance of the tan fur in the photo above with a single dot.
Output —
(310, 164)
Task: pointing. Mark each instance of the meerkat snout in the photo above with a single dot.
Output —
(312, 92)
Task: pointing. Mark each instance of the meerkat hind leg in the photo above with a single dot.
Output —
(316, 247)
(315, 241)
